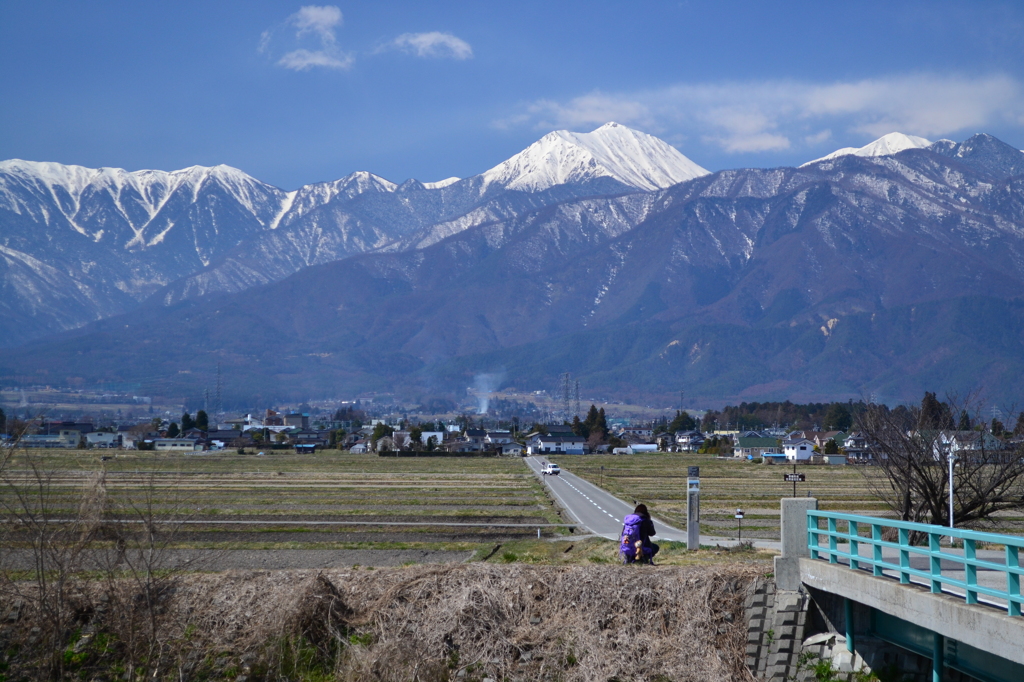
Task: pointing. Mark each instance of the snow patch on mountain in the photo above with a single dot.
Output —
(441, 183)
(886, 145)
(613, 151)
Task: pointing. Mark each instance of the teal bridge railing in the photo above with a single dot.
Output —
(847, 528)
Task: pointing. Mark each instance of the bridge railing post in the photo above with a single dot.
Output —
(935, 563)
(876, 549)
(1013, 580)
(812, 535)
(832, 544)
(904, 555)
(971, 570)
(854, 533)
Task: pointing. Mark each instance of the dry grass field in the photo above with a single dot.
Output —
(288, 501)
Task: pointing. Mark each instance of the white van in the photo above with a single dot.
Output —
(551, 469)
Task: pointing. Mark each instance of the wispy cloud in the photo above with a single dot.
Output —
(319, 21)
(768, 116)
(301, 60)
(316, 23)
(431, 44)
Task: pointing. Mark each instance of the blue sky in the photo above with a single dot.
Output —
(294, 93)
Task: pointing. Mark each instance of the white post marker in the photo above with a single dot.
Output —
(693, 509)
(739, 525)
(952, 459)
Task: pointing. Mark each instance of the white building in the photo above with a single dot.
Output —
(798, 449)
(545, 445)
(102, 439)
(176, 445)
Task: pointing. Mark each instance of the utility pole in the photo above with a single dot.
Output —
(576, 398)
(220, 405)
(566, 396)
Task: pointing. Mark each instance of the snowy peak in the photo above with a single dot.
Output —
(886, 145)
(441, 183)
(613, 151)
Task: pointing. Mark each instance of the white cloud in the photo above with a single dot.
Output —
(301, 60)
(773, 115)
(818, 137)
(316, 23)
(319, 21)
(432, 44)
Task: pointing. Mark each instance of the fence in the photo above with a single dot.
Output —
(968, 563)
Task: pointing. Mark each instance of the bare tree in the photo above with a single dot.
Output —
(145, 517)
(50, 533)
(911, 446)
(57, 526)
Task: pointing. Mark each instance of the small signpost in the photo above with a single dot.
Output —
(794, 478)
(739, 525)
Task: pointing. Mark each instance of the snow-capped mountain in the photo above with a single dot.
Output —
(612, 151)
(115, 204)
(896, 274)
(886, 145)
(79, 244)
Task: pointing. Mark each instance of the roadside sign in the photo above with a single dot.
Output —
(739, 514)
(794, 478)
(693, 472)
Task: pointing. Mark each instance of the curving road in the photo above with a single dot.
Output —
(595, 509)
(601, 513)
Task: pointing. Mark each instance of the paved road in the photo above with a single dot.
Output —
(599, 511)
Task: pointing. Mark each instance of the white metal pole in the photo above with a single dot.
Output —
(951, 459)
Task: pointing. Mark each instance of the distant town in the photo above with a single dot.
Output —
(816, 433)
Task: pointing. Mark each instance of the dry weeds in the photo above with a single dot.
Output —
(459, 622)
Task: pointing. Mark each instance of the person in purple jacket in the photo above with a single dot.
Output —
(637, 529)
(647, 529)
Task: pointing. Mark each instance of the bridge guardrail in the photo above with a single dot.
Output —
(933, 550)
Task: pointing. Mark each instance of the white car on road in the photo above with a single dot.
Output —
(551, 469)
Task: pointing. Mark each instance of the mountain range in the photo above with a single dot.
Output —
(886, 270)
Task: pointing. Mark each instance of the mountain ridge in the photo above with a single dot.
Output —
(130, 238)
(854, 275)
